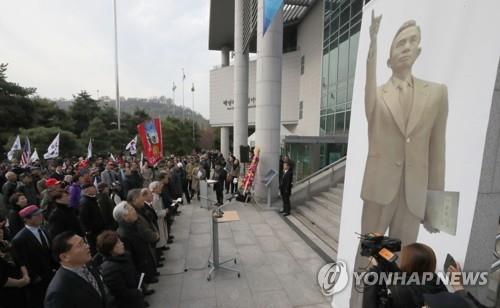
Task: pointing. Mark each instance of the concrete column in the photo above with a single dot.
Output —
(224, 52)
(240, 115)
(268, 104)
(224, 141)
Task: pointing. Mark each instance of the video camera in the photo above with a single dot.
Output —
(382, 249)
(379, 246)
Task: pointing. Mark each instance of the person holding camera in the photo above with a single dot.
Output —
(427, 290)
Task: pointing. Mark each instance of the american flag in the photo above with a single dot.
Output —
(26, 155)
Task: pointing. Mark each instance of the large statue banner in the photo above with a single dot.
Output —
(422, 94)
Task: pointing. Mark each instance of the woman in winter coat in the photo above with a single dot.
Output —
(118, 271)
(17, 202)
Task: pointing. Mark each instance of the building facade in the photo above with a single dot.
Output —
(320, 41)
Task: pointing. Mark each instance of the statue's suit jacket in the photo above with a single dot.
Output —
(417, 152)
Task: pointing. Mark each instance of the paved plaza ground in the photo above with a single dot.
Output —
(278, 268)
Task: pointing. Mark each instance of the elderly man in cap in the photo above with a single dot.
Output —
(51, 186)
(31, 248)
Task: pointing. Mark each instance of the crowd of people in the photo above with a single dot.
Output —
(99, 226)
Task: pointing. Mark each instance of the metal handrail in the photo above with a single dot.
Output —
(326, 168)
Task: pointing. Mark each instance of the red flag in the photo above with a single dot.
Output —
(152, 140)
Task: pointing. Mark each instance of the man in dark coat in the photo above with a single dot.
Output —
(167, 204)
(76, 284)
(58, 174)
(31, 248)
(128, 229)
(286, 188)
(133, 178)
(63, 218)
(220, 176)
(9, 187)
(27, 187)
(146, 228)
(184, 182)
(106, 206)
(90, 216)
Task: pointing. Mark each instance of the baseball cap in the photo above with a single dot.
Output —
(29, 211)
(51, 182)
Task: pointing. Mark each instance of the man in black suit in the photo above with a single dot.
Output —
(220, 176)
(31, 248)
(90, 216)
(75, 284)
(286, 188)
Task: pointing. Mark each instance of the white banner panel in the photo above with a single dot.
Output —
(424, 130)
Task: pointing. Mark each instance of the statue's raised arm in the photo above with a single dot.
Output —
(371, 67)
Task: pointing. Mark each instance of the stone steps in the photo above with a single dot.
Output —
(321, 215)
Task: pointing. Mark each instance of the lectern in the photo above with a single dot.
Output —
(215, 264)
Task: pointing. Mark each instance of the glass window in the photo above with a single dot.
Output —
(342, 92)
(344, 16)
(355, 19)
(332, 77)
(347, 120)
(343, 57)
(329, 124)
(339, 122)
(353, 53)
(322, 126)
(334, 26)
(356, 7)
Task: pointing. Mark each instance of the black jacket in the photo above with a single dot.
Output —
(175, 183)
(90, 216)
(150, 213)
(69, 290)
(63, 218)
(8, 189)
(122, 279)
(220, 176)
(16, 223)
(407, 296)
(139, 249)
(286, 183)
(28, 251)
(30, 192)
(133, 180)
(106, 206)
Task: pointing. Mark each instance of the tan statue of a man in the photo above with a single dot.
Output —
(407, 136)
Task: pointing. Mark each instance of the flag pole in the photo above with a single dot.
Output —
(183, 77)
(192, 114)
(118, 105)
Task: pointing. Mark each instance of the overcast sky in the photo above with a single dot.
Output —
(63, 46)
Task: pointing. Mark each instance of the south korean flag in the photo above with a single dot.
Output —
(53, 150)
